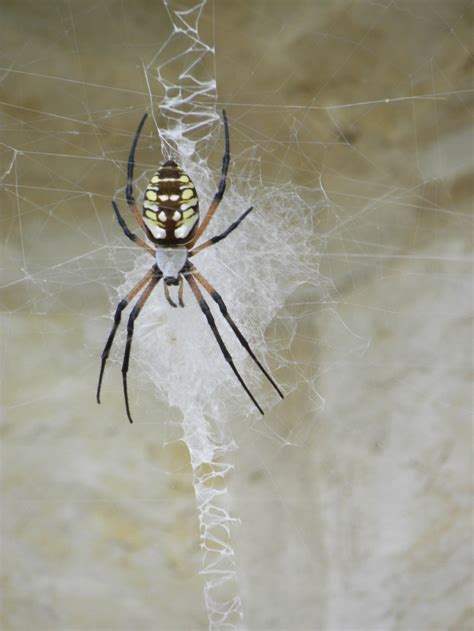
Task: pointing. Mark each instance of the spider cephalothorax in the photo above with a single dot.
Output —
(170, 220)
(171, 206)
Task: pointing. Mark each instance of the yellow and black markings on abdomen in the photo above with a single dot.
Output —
(171, 205)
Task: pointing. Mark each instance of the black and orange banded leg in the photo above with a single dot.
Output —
(128, 233)
(210, 320)
(221, 236)
(130, 169)
(117, 317)
(222, 184)
(135, 312)
(223, 309)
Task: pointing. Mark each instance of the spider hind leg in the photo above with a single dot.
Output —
(128, 233)
(130, 169)
(220, 189)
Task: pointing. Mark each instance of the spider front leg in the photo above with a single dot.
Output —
(210, 320)
(117, 317)
(135, 312)
(223, 309)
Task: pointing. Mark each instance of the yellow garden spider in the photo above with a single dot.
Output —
(170, 220)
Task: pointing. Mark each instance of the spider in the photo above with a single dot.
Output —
(170, 221)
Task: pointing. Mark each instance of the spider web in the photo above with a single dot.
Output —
(206, 395)
(351, 135)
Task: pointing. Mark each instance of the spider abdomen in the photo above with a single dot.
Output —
(171, 206)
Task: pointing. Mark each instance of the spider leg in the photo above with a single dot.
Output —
(117, 317)
(128, 233)
(168, 297)
(130, 169)
(221, 236)
(135, 312)
(210, 320)
(181, 291)
(223, 309)
(131, 162)
(221, 188)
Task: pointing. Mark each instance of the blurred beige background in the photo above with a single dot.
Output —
(363, 521)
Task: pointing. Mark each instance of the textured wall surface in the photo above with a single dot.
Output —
(353, 494)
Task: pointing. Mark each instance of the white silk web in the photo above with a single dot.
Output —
(256, 269)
